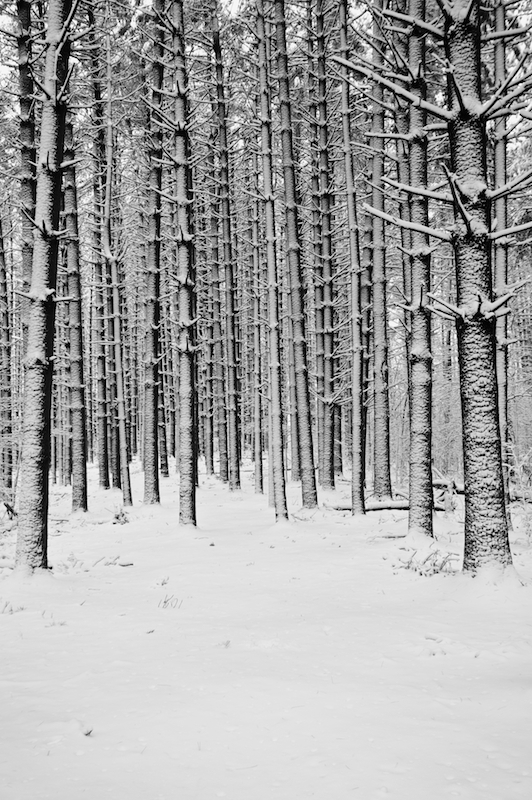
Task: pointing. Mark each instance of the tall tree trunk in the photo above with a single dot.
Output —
(358, 469)
(327, 256)
(98, 190)
(486, 526)
(500, 265)
(32, 539)
(381, 405)
(27, 149)
(186, 278)
(6, 388)
(308, 478)
(276, 434)
(420, 368)
(115, 299)
(233, 428)
(257, 378)
(153, 265)
(78, 410)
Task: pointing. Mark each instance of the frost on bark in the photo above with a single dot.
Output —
(99, 328)
(357, 350)
(500, 255)
(120, 460)
(293, 258)
(486, 526)
(257, 377)
(419, 352)
(276, 437)
(233, 427)
(381, 406)
(27, 146)
(6, 389)
(78, 410)
(186, 277)
(327, 255)
(153, 263)
(32, 539)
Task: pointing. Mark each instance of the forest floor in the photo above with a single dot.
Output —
(252, 661)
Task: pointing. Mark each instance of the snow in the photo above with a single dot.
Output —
(255, 661)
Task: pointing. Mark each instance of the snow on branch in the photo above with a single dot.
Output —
(438, 233)
(400, 91)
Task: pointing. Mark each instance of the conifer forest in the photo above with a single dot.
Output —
(266, 396)
(298, 232)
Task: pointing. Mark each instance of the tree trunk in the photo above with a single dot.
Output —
(153, 265)
(233, 428)
(486, 526)
(381, 406)
(358, 468)
(32, 539)
(120, 433)
(78, 410)
(420, 368)
(308, 478)
(276, 435)
(186, 278)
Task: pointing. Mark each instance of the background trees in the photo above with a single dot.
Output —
(290, 268)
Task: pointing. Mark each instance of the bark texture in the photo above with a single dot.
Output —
(32, 539)
(308, 478)
(486, 526)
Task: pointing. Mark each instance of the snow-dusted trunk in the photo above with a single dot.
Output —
(186, 278)
(32, 539)
(153, 261)
(115, 319)
(6, 389)
(257, 377)
(276, 437)
(381, 406)
(500, 257)
(233, 427)
(327, 256)
(78, 410)
(27, 148)
(486, 526)
(308, 478)
(357, 353)
(99, 318)
(420, 357)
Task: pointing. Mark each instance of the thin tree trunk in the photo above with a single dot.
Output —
(358, 468)
(420, 491)
(500, 265)
(186, 279)
(100, 326)
(27, 149)
(276, 437)
(78, 410)
(233, 428)
(381, 405)
(153, 264)
(6, 389)
(115, 300)
(327, 255)
(308, 477)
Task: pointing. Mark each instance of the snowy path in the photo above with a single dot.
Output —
(257, 662)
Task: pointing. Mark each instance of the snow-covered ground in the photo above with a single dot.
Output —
(253, 661)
